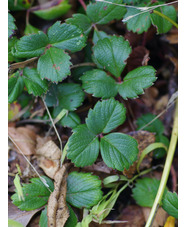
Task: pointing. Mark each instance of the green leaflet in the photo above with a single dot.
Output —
(11, 25)
(83, 146)
(19, 4)
(32, 45)
(71, 120)
(66, 37)
(81, 21)
(111, 54)
(106, 116)
(170, 204)
(15, 87)
(137, 80)
(98, 83)
(54, 65)
(99, 35)
(102, 13)
(119, 150)
(29, 29)
(35, 85)
(83, 189)
(43, 221)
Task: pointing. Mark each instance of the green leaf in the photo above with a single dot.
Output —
(160, 152)
(83, 189)
(53, 12)
(156, 126)
(11, 43)
(137, 80)
(66, 37)
(29, 29)
(83, 146)
(32, 45)
(145, 191)
(13, 223)
(99, 35)
(11, 25)
(43, 221)
(111, 53)
(72, 220)
(140, 23)
(65, 96)
(98, 83)
(106, 116)
(35, 85)
(163, 25)
(15, 87)
(54, 65)
(71, 120)
(119, 150)
(102, 13)
(81, 21)
(19, 4)
(36, 194)
(170, 204)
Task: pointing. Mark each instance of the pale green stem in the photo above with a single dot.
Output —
(165, 17)
(166, 171)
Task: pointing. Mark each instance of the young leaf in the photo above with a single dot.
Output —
(66, 37)
(98, 83)
(29, 29)
(83, 146)
(72, 220)
(13, 223)
(36, 194)
(170, 204)
(111, 53)
(72, 120)
(15, 87)
(137, 80)
(43, 221)
(163, 25)
(106, 116)
(65, 96)
(11, 25)
(11, 43)
(145, 191)
(161, 152)
(119, 150)
(102, 13)
(54, 65)
(32, 45)
(35, 85)
(83, 189)
(140, 23)
(81, 21)
(156, 126)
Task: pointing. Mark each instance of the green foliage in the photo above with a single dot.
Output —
(11, 25)
(145, 191)
(29, 29)
(19, 4)
(72, 220)
(71, 120)
(13, 223)
(99, 35)
(83, 189)
(111, 54)
(170, 204)
(43, 221)
(36, 194)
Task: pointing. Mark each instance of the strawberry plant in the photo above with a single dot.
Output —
(72, 72)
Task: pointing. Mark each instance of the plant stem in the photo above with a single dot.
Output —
(165, 17)
(166, 171)
(83, 4)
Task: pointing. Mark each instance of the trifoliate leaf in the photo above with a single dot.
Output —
(83, 189)
(36, 194)
(136, 81)
(99, 35)
(161, 152)
(119, 150)
(98, 83)
(106, 116)
(156, 126)
(163, 25)
(53, 12)
(15, 87)
(35, 85)
(54, 65)
(72, 220)
(145, 191)
(81, 21)
(43, 221)
(66, 37)
(102, 13)
(83, 146)
(29, 29)
(140, 23)
(32, 45)
(11, 25)
(111, 53)
(170, 204)
(71, 120)
(65, 96)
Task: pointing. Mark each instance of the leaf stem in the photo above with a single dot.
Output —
(166, 171)
(83, 64)
(83, 4)
(165, 17)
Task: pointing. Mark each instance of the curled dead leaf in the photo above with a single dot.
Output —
(57, 210)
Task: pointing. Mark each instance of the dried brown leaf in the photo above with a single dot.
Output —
(57, 210)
